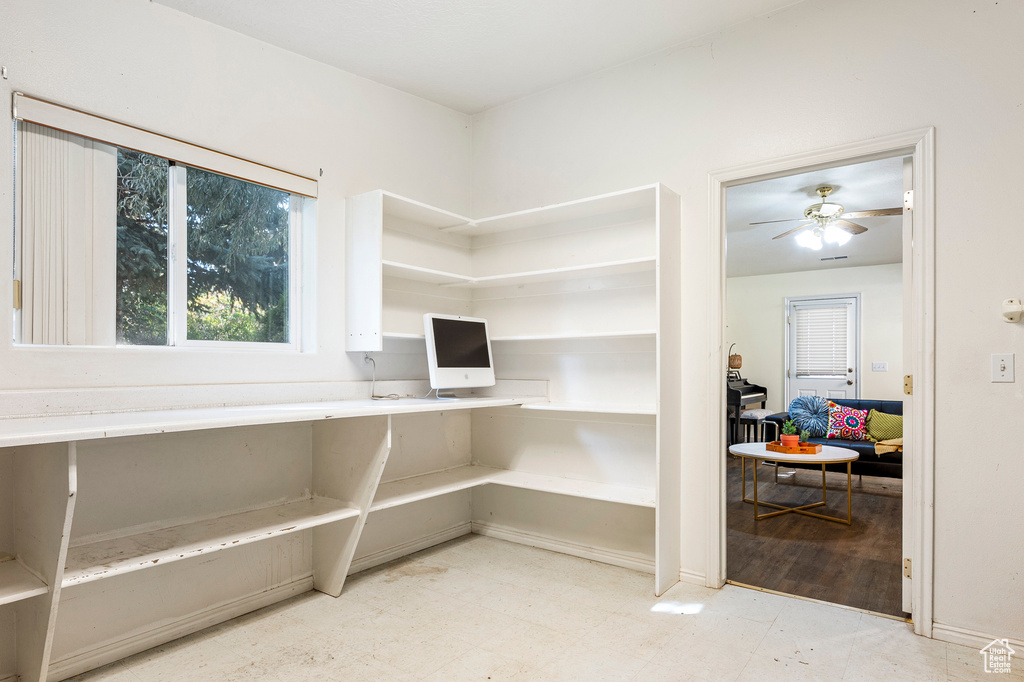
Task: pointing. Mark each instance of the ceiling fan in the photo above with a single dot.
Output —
(828, 222)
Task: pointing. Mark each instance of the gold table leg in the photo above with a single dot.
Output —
(802, 509)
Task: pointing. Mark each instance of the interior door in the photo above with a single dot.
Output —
(822, 346)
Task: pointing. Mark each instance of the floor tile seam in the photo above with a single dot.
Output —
(373, 656)
(856, 636)
(130, 671)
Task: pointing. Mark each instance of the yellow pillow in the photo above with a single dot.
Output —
(882, 426)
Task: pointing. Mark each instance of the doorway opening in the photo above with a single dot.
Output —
(900, 281)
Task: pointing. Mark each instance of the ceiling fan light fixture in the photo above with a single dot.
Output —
(809, 239)
(836, 235)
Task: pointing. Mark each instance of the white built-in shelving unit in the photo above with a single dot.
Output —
(584, 295)
(121, 531)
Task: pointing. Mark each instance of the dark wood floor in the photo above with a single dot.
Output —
(858, 565)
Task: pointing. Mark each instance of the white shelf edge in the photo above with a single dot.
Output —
(109, 558)
(426, 486)
(418, 273)
(596, 408)
(62, 428)
(494, 223)
(17, 582)
(606, 492)
(454, 280)
(551, 274)
(403, 335)
(569, 336)
(458, 221)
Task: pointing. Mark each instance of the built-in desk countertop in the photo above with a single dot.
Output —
(75, 427)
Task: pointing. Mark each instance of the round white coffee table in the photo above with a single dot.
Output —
(829, 455)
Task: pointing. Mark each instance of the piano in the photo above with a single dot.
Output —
(740, 395)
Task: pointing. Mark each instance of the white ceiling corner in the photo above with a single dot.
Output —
(471, 55)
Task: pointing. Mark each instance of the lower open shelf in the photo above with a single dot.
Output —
(108, 558)
(17, 582)
(423, 487)
(598, 408)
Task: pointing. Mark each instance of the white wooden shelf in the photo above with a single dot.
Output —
(616, 267)
(17, 582)
(423, 487)
(639, 201)
(451, 279)
(416, 273)
(571, 336)
(416, 488)
(418, 212)
(107, 558)
(558, 336)
(599, 408)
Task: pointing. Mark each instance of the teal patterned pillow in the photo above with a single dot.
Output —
(810, 413)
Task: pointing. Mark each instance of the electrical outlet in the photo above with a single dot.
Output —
(879, 366)
(1002, 368)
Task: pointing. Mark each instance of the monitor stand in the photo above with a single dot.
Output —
(443, 394)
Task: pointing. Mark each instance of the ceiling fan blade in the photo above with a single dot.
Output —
(852, 228)
(873, 213)
(795, 229)
(784, 220)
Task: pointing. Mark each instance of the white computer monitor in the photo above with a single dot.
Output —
(458, 351)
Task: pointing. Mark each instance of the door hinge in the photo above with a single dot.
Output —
(908, 200)
(17, 294)
(789, 320)
(906, 569)
(788, 375)
(908, 384)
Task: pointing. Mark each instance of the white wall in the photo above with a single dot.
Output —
(750, 94)
(156, 68)
(755, 312)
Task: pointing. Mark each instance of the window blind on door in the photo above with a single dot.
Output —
(821, 340)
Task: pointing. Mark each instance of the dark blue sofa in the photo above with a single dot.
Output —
(868, 464)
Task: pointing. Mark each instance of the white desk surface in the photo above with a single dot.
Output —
(829, 454)
(74, 427)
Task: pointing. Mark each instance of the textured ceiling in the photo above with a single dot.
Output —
(471, 55)
(858, 187)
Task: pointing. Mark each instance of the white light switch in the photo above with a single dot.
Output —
(1002, 367)
(879, 366)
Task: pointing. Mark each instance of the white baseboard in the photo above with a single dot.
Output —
(607, 556)
(398, 551)
(692, 577)
(133, 644)
(973, 638)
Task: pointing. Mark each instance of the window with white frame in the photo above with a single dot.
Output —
(130, 238)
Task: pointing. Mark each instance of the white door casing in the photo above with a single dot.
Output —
(909, 345)
(822, 346)
(919, 453)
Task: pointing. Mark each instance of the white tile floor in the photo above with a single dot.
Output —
(483, 609)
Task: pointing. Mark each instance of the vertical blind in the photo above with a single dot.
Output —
(66, 241)
(821, 340)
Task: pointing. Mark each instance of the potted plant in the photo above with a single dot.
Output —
(805, 436)
(790, 439)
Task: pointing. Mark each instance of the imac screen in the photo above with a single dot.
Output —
(459, 343)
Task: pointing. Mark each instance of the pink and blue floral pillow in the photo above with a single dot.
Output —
(847, 423)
